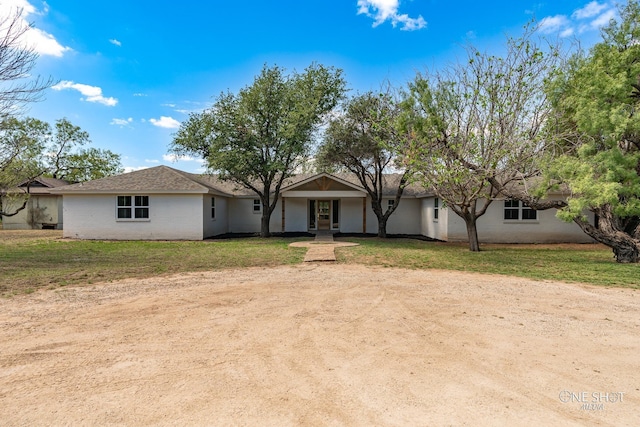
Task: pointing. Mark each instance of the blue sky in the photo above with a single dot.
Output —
(129, 72)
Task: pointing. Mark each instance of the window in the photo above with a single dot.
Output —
(515, 210)
(511, 209)
(213, 208)
(436, 208)
(390, 203)
(528, 213)
(257, 206)
(133, 207)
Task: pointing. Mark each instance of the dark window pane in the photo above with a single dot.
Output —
(142, 212)
(124, 212)
(436, 203)
(436, 213)
(511, 203)
(142, 200)
(335, 213)
(124, 200)
(511, 214)
(529, 214)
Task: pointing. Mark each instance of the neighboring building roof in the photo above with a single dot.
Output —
(42, 185)
(164, 179)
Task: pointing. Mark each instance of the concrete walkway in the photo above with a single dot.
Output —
(322, 248)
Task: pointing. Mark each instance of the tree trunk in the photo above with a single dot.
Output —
(626, 248)
(472, 233)
(382, 227)
(264, 223)
(626, 253)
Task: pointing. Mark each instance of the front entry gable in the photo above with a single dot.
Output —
(323, 185)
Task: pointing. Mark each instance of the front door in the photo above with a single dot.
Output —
(324, 215)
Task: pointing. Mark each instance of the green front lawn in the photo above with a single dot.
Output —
(586, 263)
(30, 261)
(43, 260)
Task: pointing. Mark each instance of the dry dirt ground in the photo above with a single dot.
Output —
(322, 344)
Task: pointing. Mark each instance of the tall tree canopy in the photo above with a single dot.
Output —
(479, 123)
(366, 141)
(597, 118)
(31, 148)
(67, 158)
(259, 136)
(21, 160)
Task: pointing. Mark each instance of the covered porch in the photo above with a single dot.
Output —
(324, 203)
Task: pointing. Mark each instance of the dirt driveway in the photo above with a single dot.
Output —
(322, 344)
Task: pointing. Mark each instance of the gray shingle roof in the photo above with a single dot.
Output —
(159, 179)
(164, 179)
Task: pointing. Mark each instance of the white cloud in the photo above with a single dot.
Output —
(603, 19)
(591, 9)
(92, 93)
(151, 161)
(387, 10)
(176, 158)
(166, 122)
(139, 94)
(552, 24)
(40, 41)
(592, 16)
(567, 32)
(121, 122)
(115, 42)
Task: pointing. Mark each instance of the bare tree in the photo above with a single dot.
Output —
(17, 88)
(479, 125)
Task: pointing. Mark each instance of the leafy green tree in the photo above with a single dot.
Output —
(365, 140)
(68, 160)
(21, 148)
(597, 113)
(478, 125)
(30, 149)
(258, 137)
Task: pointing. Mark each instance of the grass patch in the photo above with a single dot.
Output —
(44, 260)
(593, 264)
(30, 261)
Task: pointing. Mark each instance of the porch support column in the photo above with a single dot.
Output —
(364, 215)
(283, 199)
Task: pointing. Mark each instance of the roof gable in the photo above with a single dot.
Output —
(44, 182)
(322, 182)
(159, 179)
